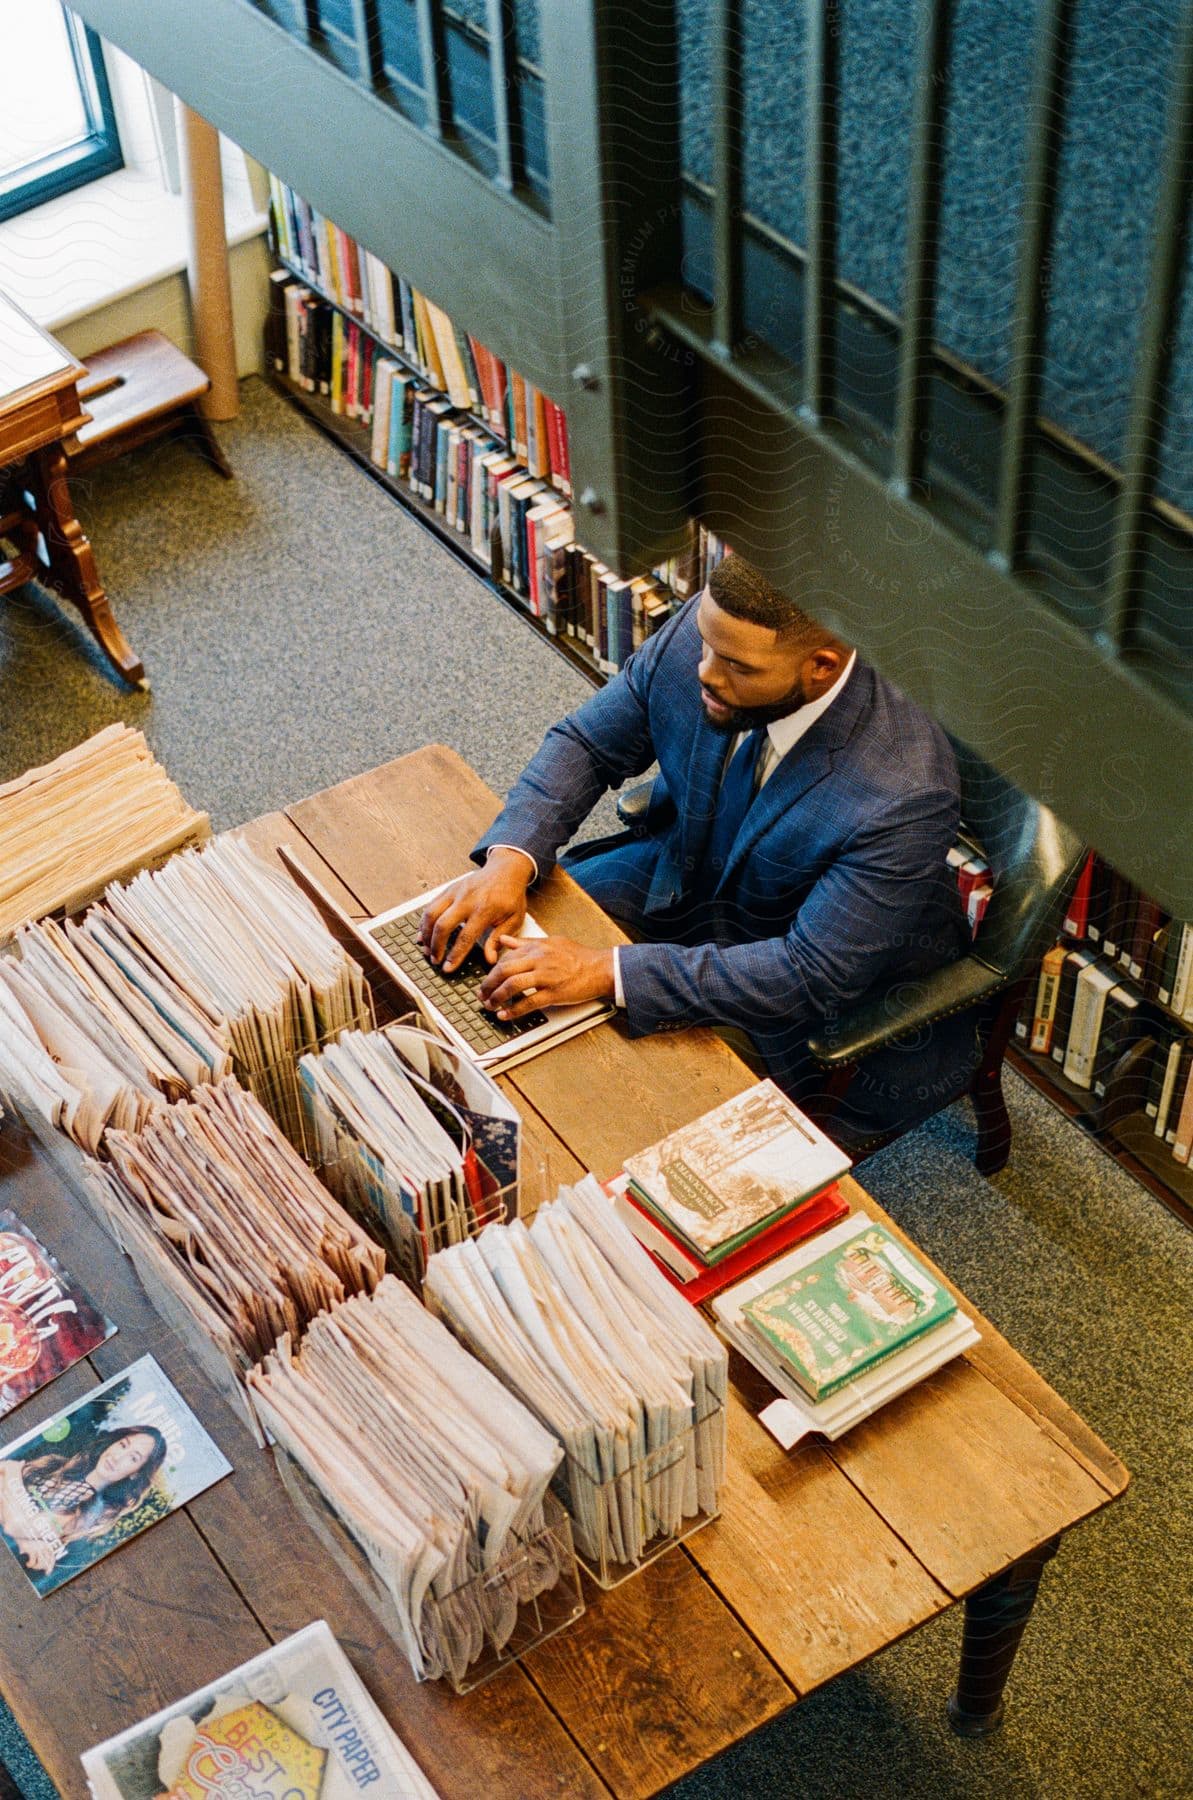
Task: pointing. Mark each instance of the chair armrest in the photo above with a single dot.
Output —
(906, 1006)
(634, 803)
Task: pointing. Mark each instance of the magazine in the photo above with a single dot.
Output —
(100, 1471)
(47, 1321)
(295, 1721)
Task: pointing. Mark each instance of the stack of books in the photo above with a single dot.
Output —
(844, 1325)
(726, 1193)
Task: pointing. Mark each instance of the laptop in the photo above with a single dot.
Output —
(390, 941)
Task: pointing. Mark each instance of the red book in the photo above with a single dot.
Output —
(556, 445)
(565, 460)
(814, 1215)
(486, 376)
(1077, 916)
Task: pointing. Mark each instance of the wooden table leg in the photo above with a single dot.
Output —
(995, 1619)
(69, 565)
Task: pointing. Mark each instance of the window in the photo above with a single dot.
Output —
(57, 126)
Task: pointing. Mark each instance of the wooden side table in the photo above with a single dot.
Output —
(39, 409)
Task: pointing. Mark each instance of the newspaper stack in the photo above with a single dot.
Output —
(299, 1713)
(122, 1034)
(236, 933)
(95, 813)
(574, 1317)
(215, 963)
(219, 1212)
(395, 1150)
(437, 1473)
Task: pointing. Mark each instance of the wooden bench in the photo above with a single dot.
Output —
(139, 389)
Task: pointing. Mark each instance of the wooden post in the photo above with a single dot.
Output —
(207, 261)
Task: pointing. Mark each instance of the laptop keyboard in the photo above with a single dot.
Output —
(456, 994)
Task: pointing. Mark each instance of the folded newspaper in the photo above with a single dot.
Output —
(401, 1135)
(436, 1475)
(217, 1209)
(574, 1317)
(295, 1723)
(214, 963)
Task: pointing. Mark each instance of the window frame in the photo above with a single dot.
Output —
(97, 152)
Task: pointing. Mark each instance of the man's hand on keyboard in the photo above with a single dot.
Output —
(538, 972)
(476, 909)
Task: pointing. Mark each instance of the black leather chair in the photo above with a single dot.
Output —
(1034, 861)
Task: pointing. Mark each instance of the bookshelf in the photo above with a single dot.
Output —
(1118, 1119)
(354, 440)
(350, 344)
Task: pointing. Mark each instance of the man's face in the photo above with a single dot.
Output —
(750, 674)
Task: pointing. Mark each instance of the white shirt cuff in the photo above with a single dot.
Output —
(521, 852)
(618, 990)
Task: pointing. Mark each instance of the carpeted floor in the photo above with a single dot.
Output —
(298, 627)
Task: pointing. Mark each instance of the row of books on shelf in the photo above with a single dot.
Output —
(475, 441)
(1133, 933)
(514, 522)
(530, 425)
(1095, 1026)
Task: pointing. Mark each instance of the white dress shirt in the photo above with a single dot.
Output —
(782, 735)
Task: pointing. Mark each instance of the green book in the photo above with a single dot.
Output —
(836, 1317)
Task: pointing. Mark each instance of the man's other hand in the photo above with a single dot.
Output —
(477, 908)
(537, 972)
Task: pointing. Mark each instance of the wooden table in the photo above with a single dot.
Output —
(39, 410)
(959, 1490)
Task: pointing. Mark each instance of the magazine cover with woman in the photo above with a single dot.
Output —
(101, 1471)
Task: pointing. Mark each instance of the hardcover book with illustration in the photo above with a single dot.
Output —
(735, 1172)
(47, 1321)
(295, 1723)
(849, 1309)
(100, 1471)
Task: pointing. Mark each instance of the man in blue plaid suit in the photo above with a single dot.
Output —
(793, 857)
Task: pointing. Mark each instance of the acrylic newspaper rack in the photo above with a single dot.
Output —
(426, 1479)
(621, 1523)
(508, 1608)
(637, 1508)
(416, 1143)
(573, 1318)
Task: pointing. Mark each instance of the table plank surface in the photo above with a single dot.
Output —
(157, 1617)
(820, 1558)
(657, 1678)
(778, 1556)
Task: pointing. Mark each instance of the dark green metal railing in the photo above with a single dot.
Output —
(1033, 595)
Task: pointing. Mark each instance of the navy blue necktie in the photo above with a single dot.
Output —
(733, 803)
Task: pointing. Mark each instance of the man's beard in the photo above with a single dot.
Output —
(749, 718)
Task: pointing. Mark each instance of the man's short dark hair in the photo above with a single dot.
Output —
(744, 592)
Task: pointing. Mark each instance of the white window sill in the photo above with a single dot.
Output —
(122, 233)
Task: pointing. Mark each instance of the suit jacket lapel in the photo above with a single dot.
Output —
(808, 762)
